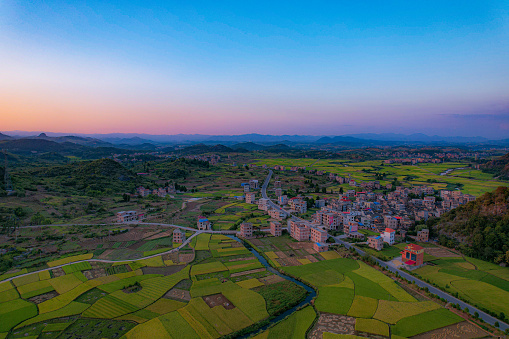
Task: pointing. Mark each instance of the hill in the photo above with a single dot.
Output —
(498, 167)
(90, 177)
(479, 229)
(5, 137)
(37, 145)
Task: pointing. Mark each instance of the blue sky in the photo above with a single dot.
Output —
(239, 67)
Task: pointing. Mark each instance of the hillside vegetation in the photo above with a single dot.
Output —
(97, 176)
(498, 167)
(479, 229)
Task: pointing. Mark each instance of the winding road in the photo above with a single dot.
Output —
(482, 315)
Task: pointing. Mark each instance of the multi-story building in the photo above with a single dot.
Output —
(389, 236)
(129, 216)
(413, 255)
(179, 236)
(250, 198)
(318, 234)
(263, 204)
(204, 224)
(277, 214)
(275, 228)
(298, 230)
(277, 184)
(253, 184)
(423, 235)
(376, 242)
(282, 200)
(279, 192)
(390, 221)
(246, 230)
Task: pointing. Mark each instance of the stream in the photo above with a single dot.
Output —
(310, 296)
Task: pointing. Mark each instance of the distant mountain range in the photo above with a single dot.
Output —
(151, 142)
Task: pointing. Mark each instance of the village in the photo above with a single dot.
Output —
(363, 214)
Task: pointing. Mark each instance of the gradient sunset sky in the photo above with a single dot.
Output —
(271, 67)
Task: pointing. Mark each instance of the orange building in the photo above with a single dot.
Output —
(413, 255)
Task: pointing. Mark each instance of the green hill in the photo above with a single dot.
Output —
(499, 167)
(103, 175)
(479, 229)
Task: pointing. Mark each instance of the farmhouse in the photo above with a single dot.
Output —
(204, 224)
(376, 242)
(179, 236)
(128, 216)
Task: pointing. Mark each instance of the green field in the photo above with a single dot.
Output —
(481, 283)
(350, 287)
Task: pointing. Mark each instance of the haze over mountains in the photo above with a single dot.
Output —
(127, 140)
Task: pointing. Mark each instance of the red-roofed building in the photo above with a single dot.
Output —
(389, 236)
(413, 255)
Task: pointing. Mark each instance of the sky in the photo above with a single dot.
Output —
(270, 67)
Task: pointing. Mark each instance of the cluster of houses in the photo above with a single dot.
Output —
(212, 159)
(129, 216)
(160, 192)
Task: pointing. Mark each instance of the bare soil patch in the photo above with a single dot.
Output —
(311, 258)
(288, 262)
(43, 297)
(178, 294)
(105, 254)
(160, 235)
(218, 299)
(257, 242)
(247, 272)
(332, 323)
(300, 245)
(242, 259)
(95, 273)
(168, 270)
(271, 279)
(57, 272)
(186, 257)
(439, 252)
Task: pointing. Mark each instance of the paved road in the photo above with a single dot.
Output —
(482, 315)
(188, 240)
(264, 192)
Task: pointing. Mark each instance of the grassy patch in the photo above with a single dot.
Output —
(372, 326)
(425, 322)
(295, 326)
(281, 295)
(334, 300)
(363, 307)
(14, 312)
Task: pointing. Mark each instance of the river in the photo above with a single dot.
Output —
(310, 296)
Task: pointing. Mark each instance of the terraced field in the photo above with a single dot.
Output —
(54, 301)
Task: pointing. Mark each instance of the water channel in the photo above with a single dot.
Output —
(310, 296)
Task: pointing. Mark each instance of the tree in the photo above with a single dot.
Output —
(341, 190)
(126, 197)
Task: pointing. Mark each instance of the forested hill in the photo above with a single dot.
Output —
(480, 228)
(498, 167)
(97, 175)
